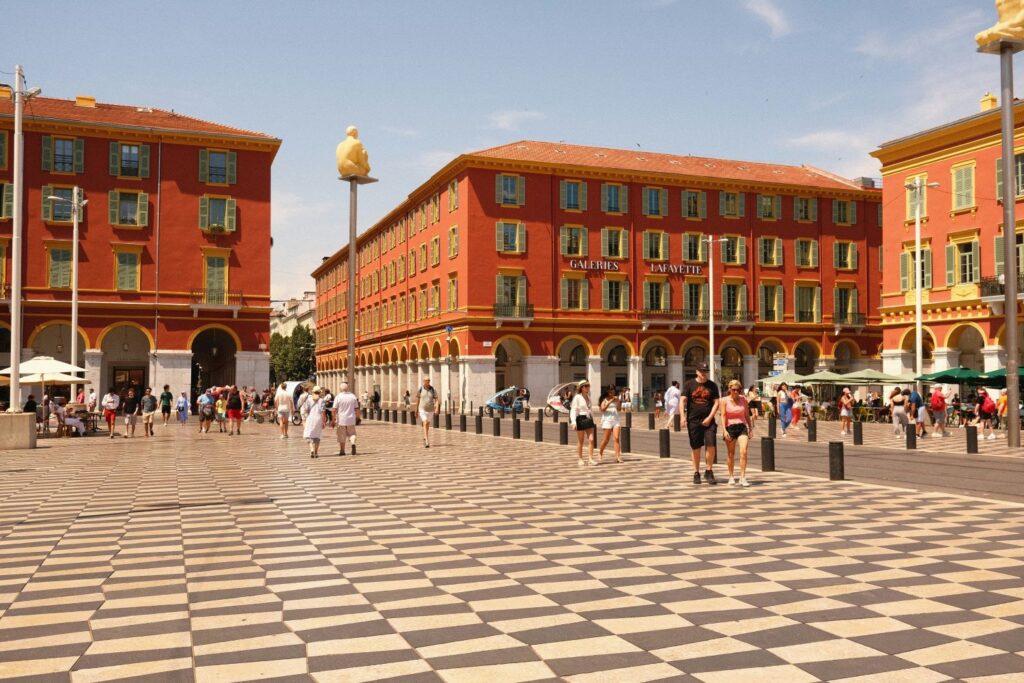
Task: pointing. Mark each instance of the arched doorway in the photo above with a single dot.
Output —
(806, 355)
(694, 354)
(508, 365)
(655, 369)
(213, 360)
(969, 342)
(55, 340)
(125, 359)
(572, 362)
(766, 354)
(732, 365)
(614, 367)
(927, 347)
(845, 353)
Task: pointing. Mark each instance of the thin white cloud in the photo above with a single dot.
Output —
(400, 132)
(771, 14)
(511, 120)
(952, 29)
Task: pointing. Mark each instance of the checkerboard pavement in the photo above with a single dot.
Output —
(216, 558)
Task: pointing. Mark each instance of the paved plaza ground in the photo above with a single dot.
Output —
(216, 558)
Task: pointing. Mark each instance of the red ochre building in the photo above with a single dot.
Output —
(962, 242)
(535, 263)
(174, 249)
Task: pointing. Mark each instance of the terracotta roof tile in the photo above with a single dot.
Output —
(47, 108)
(642, 160)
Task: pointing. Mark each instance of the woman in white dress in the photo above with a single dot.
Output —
(313, 410)
(610, 406)
(283, 404)
(581, 418)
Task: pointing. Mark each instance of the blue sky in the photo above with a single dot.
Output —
(787, 81)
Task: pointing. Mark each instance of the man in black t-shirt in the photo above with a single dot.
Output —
(700, 401)
(130, 410)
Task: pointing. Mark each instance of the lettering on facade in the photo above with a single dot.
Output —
(583, 264)
(676, 269)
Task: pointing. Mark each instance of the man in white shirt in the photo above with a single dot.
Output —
(426, 404)
(671, 403)
(346, 405)
(110, 404)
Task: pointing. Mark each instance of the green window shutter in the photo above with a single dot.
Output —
(626, 303)
(1000, 244)
(583, 195)
(760, 251)
(778, 206)
(561, 197)
(721, 203)
(47, 203)
(817, 304)
(623, 237)
(647, 244)
(585, 294)
(497, 189)
(742, 299)
(778, 251)
(814, 208)
(521, 238)
(563, 235)
(814, 253)
(500, 239)
(741, 249)
(584, 242)
(55, 268)
(565, 294)
(624, 199)
(780, 304)
(999, 179)
(232, 168)
(704, 299)
(853, 301)
(950, 266)
(143, 161)
(796, 205)
(230, 215)
(143, 211)
(853, 213)
(662, 202)
(835, 254)
(604, 242)
(47, 154)
(521, 190)
(760, 211)
(604, 197)
(499, 292)
(204, 213)
(702, 203)
(927, 277)
(904, 272)
(647, 296)
(204, 166)
(3, 149)
(666, 296)
(722, 299)
(724, 247)
(761, 302)
(835, 211)
(115, 158)
(8, 201)
(664, 246)
(836, 313)
(604, 295)
(741, 204)
(79, 155)
(112, 201)
(702, 248)
(976, 262)
(958, 188)
(853, 255)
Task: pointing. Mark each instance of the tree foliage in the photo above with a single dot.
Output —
(291, 357)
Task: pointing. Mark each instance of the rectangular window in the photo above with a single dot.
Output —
(511, 237)
(842, 304)
(453, 241)
(805, 209)
(963, 187)
(575, 294)
(806, 253)
(806, 304)
(127, 208)
(693, 248)
(60, 267)
(693, 298)
(655, 298)
(731, 204)
(6, 200)
(770, 251)
(510, 190)
(614, 243)
(731, 299)
(613, 198)
(423, 257)
(769, 207)
(844, 213)
(844, 255)
(63, 155)
(771, 303)
(435, 251)
(1018, 176)
(572, 195)
(694, 204)
(130, 161)
(615, 295)
(655, 201)
(453, 292)
(912, 198)
(218, 167)
(60, 210)
(218, 212)
(511, 290)
(655, 245)
(734, 250)
(453, 195)
(128, 271)
(965, 260)
(573, 240)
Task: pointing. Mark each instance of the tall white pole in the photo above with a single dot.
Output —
(918, 331)
(18, 218)
(1012, 268)
(76, 207)
(711, 308)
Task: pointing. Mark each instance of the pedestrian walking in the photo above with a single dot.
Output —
(313, 411)
(784, 402)
(130, 410)
(611, 404)
(346, 409)
(181, 406)
(898, 410)
(795, 408)
(92, 402)
(986, 411)
(671, 403)
(426, 404)
(1001, 408)
(846, 412)
(659, 404)
(407, 398)
(283, 405)
(938, 408)
(700, 399)
(754, 401)
(220, 412)
(234, 410)
(205, 406)
(166, 399)
(149, 405)
(916, 412)
(111, 403)
(736, 415)
(581, 417)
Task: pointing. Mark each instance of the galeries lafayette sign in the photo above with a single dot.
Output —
(583, 264)
(616, 266)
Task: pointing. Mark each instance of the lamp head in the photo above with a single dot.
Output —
(33, 92)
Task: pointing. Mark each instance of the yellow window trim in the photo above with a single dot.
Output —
(803, 281)
(926, 243)
(962, 236)
(656, 278)
(502, 270)
(846, 285)
(215, 251)
(573, 275)
(694, 279)
(733, 280)
(57, 244)
(616, 277)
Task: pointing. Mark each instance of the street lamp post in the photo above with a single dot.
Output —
(711, 241)
(20, 97)
(77, 203)
(917, 187)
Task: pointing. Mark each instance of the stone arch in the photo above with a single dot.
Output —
(435, 351)
(213, 358)
(574, 338)
(969, 340)
(738, 342)
(509, 352)
(657, 339)
(573, 352)
(53, 338)
(615, 354)
(149, 336)
(524, 346)
(806, 353)
(731, 365)
(50, 323)
(614, 340)
(844, 353)
(403, 355)
(414, 353)
(654, 370)
(454, 350)
(376, 357)
(953, 336)
(694, 350)
(424, 351)
(907, 341)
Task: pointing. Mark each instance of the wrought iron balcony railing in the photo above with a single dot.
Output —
(216, 297)
(734, 316)
(996, 285)
(513, 310)
(850, 318)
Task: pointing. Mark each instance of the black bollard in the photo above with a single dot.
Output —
(972, 440)
(538, 431)
(858, 433)
(812, 430)
(911, 438)
(563, 433)
(479, 424)
(437, 420)
(767, 454)
(629, 420)
(480, 411)
(676, 422)
(448, 421)
(462, 423)
(495, 426)
(663, 445)
(773, 426)
(516, 428)
(490, 411)
(405, 416)
(394, 417)
(625, 444)
(554, 416)
(363, 411)
(836, 471)
(650, 420)
(526, 414)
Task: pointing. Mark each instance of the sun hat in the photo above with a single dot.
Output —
(317, 390)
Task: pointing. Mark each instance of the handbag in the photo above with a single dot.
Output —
(584, 422)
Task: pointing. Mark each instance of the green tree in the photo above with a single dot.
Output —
(291, 357)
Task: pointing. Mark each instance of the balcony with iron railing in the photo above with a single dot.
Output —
(849, 319)
(728, 317)
(993, 291)
(513, 313)
(214, 299)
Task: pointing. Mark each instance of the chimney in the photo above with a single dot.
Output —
(989, 101)
(85, 101)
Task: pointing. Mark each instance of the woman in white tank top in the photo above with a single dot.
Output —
(610, 406)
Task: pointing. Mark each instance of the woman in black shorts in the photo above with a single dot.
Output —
(736, 418)
(754, 401)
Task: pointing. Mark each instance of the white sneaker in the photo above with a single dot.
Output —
(732, 481)
(744, 482)
(281, 437)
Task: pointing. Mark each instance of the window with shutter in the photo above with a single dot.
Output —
(127, 271)
(963, 187)
(57, 210)
(60, 267)
(3, 149)
(6, 200)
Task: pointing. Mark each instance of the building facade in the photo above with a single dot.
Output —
(537, 263)
(174, 247)
(293, 313)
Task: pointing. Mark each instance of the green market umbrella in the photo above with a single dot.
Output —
(823, 377)
(869, 376)
(954, 376)
(788, 377)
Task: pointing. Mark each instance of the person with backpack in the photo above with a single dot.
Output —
(426, 404)
(916, 412)
(938, 407)
(986, 411)
(205, 408)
